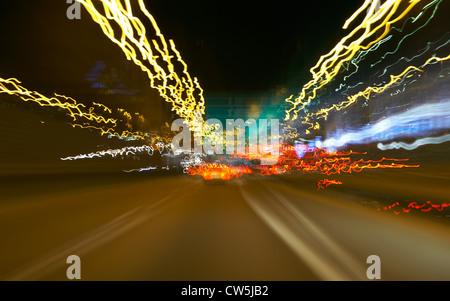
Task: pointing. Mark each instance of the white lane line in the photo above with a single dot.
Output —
(324, 269)
(354, 268)
(325, 257)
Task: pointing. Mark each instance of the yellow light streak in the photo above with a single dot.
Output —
(356, 14)
(105, 108)
(12, 86)
(111, 132)
(330, 64)
(154, 58)
(323, 113)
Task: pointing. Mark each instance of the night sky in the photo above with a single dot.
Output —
(252, 46)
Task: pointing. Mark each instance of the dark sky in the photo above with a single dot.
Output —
(251, 46)
(231, 46)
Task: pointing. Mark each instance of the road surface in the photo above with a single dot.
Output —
(144, 227)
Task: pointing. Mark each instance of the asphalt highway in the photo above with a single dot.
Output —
(144, 227)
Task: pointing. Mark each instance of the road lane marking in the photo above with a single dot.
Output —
(321, 263)
(343, 256)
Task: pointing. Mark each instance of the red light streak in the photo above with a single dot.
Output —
(322, 184)
(314, 161)
(210, 171)
(425, 207)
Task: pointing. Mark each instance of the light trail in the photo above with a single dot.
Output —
(420, 52)
(427, 117)
(191, 161)
(141, 169)
(425, 207)
(322, 184)
(415, 144)
(12, 86)
(314, 161)
(155, 58)
(105, 108)
(348, 87)
(124, 135)
(211, 171)
(126, 151)
(363, 54)
(310, 117)
(330, 64)
(346, 165)
(290, 133)
(369, 91)
(436, 6)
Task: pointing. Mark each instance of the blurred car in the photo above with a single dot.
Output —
(214, 177)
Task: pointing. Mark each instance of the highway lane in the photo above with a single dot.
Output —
(179, 228)
(341, 234)
(155, 229)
